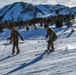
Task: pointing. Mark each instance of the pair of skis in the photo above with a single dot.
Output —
(47, 51)
(12, 55)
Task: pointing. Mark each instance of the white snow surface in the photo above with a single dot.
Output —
(60, 62)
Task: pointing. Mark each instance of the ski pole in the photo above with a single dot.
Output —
(4, 47)
(29, 44)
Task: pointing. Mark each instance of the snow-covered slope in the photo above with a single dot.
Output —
(19, 11)
(60, 62)
(24, 11)
(31, 34)
(73, 10)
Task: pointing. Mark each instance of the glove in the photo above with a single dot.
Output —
(46, 36)
(22, 39)
(48, 41)
(8, 38)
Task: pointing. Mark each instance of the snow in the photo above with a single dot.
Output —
(60, 62)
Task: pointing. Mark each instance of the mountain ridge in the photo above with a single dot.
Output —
(26, 11)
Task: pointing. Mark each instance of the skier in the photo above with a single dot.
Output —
(14, 39)
(52, 38)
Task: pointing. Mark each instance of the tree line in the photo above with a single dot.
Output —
(58, 21)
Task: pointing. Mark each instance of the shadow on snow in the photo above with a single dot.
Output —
(5, 58)
(62, 32)
(69, 34)
(28, 64)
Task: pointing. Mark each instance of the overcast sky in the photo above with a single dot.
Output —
(69, 3)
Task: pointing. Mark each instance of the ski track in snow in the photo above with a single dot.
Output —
(60, 62)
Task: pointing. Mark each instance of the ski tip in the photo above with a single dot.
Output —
(9, 56)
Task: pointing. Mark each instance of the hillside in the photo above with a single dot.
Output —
(25, 11)
(60, 62)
